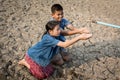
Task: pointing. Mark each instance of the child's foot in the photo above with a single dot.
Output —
(23, 62)
(66, 56)
(57, 60)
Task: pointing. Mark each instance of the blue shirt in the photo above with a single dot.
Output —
(63, 23)
(44, 50)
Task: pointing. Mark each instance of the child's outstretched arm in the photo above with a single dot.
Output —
(74, 31)
(78, 31)
(67, 33)
(72, 41)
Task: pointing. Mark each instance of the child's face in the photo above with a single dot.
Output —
(55, 31)
(58, 15)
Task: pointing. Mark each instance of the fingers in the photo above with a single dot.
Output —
(85, 30)
(89, 35)
(85, 36)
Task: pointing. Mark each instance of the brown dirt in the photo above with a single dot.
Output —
(22, 25)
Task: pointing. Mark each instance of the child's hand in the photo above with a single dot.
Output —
(84, 30)
(85, 36)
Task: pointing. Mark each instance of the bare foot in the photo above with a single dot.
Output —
(23, 62)
(66, 56)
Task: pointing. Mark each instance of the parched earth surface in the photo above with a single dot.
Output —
(22, 25)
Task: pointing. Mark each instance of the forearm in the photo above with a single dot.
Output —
(67, 33)
(78, 31)
(72, 41)
(68, 42)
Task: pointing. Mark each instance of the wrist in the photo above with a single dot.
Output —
(79, 31)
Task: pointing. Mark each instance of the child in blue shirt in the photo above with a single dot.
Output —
(57, 15)
(39, 57)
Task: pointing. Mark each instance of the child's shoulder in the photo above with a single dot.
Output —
(64, 20)
(54, 19)
(47, 37)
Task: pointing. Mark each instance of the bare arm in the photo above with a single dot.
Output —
(72, 41)
(71, 27)
(78, 31)
(67, 33)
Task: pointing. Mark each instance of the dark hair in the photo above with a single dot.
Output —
(56, 7)
(50, 26)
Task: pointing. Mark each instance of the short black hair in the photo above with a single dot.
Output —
(56, 7)
(50, 26)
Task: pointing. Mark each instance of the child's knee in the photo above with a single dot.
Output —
(60, 62)
(57, 59)
(66, 56)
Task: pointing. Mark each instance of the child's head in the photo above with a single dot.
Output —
(52, 27)
(57, 12)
